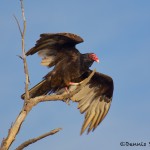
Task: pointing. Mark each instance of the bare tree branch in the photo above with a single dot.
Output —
(18, 25)
(31, 141)
(23, 53)
(13, 131)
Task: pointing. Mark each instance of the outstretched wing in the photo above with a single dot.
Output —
(54, 47)
(94, 100)
(55, 41)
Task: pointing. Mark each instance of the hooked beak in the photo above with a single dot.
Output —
(97, 60)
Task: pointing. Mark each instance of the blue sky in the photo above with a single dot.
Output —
(118, 32)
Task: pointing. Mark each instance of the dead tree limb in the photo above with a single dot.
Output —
(31, 141)
(23, 52)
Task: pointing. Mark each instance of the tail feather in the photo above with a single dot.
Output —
(39, 89)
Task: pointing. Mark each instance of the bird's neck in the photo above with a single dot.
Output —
(87, 62)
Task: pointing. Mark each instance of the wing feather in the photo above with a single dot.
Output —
(85, 105)
(97, 112)
(94, 100)
(90, 114)
(102, 114)
(80, 95)
(85, 99)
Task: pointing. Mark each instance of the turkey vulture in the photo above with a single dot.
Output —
(71, 67)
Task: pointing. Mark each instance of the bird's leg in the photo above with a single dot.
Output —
(66, 89)
(73, 83)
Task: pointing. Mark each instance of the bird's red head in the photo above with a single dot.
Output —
(93, 57)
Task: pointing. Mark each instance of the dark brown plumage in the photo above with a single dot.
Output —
(70, 65)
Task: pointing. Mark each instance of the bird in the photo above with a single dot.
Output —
(58, 50)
